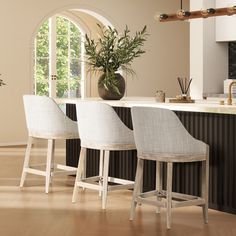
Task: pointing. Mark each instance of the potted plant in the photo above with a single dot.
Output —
(1, 82)
(110, 53)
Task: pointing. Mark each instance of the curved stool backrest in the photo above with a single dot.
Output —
(158, 131)
(99, 124)
(46, 120)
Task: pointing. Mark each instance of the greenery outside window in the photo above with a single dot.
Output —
(58, 58)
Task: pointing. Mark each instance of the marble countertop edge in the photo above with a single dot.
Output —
(206, 106)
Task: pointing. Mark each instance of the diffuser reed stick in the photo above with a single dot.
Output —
(184, 84)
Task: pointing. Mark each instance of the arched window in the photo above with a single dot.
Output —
(58, 68)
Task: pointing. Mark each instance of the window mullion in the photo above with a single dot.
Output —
(82, 55)
(69, 59)
(52, 57)
(35, 66)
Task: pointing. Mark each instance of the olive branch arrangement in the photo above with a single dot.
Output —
(112, 52)
(1, 82)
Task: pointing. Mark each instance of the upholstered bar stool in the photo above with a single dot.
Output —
(161, 137)
(45, 120)
(100, 128)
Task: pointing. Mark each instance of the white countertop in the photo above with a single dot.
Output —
(208, 106)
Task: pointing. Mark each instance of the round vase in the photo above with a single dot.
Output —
(111, 94)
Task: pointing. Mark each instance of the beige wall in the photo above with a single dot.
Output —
(166, 58)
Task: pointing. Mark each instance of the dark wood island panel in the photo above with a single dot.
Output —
(217, 130)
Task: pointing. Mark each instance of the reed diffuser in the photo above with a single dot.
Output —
(184, 85)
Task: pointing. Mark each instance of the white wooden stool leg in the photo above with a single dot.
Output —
(205, 183)
(101, 161)
(140, 190)
(169, 193)
(137, 187)
(83, 174)
(26, 161)
(50, 152)
(158, 182)
(105, 179)
(52, 162)
(79, 173)
(84, 169)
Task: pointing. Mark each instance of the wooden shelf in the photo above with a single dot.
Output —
(176, 100)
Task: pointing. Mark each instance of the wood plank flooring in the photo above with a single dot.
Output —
(31, 212)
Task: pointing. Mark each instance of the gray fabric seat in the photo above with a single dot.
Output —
(100, 128)
(160, 136)
(45, 120)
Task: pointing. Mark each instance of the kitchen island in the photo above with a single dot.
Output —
(206, 120)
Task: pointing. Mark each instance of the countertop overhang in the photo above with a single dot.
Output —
(206, 106)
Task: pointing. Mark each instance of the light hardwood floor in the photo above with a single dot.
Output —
(31, 212)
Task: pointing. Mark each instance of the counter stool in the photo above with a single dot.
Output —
(100, 128)
(45, 120)
(161, 137)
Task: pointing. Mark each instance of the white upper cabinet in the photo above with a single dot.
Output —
(225, 25)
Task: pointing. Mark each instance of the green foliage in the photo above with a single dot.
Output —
(112, 52)
(42, 41)
(42, 60)
(67, 47)
(1, 82)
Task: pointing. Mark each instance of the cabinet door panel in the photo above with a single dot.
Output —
(225, 25)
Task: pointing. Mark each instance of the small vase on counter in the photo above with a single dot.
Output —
(160, 96)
